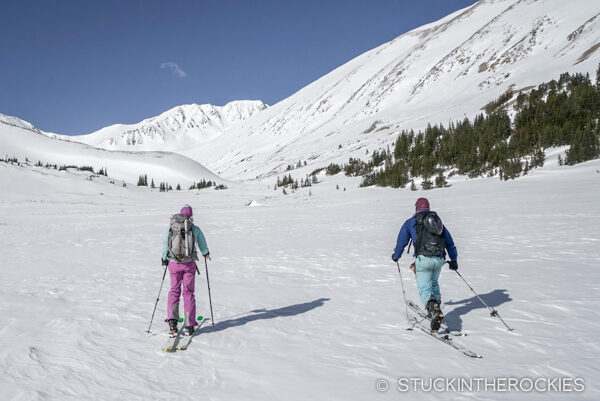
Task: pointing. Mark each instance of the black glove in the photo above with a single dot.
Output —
(165, 262)
(453, 265)
(394, 258)
(207, 255)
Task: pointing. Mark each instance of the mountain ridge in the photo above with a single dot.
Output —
(181, 126)
(439, 72)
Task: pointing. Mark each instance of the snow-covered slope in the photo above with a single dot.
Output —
(23, 141)
(436, 73)
(178, 128)
(17, 122)
(307, 303)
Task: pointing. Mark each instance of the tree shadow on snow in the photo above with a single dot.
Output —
(493, 299)
(261, 314)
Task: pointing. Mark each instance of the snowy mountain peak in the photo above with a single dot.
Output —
(180, 127)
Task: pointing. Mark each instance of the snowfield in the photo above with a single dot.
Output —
(307, 302)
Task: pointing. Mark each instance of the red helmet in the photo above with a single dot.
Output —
(422, 204)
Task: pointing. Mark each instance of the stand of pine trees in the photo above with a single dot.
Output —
(288, 181)
(557, 113)
(203, 184)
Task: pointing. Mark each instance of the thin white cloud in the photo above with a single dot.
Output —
(175, 69)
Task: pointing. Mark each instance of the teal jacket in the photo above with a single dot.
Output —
(200, 240)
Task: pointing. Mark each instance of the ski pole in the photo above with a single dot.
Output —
(157, 298)
(404, 295)
(209, 297)
(493, 312)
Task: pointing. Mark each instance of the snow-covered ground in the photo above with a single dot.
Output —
(307, 301)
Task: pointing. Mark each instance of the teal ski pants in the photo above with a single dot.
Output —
(428, 272)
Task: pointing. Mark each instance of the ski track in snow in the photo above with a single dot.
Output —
(308, 304)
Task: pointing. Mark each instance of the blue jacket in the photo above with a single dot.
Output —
(409, 231)
(200, 240)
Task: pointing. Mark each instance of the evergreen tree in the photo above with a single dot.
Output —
(142, 181)
(426, 184)
(440, 180)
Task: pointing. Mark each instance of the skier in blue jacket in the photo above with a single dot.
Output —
(431, 240)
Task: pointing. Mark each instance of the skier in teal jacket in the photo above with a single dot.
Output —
(182, 272)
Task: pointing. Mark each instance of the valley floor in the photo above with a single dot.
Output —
(307, 301)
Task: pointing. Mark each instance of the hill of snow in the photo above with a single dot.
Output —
(179, 128)
(307, 303)
(23, 141)
(436, 73)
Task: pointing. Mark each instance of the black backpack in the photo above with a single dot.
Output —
(430, 234)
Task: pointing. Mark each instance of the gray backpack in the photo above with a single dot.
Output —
(181, 242)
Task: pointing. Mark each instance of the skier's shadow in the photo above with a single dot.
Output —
(493, 299)
(261, 314)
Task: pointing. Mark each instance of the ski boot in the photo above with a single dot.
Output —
(435, 313)
(188, 330)
(172, 327)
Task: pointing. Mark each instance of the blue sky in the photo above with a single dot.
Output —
(75, 66)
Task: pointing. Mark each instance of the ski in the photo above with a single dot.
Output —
(189, 338)
(171, 345)
(424, 316)
(445, 338)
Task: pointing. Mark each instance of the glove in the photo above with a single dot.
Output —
(453, 265)
(165, 262)
(395, 259)
(207, 255)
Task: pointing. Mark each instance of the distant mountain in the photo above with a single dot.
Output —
(180, 127)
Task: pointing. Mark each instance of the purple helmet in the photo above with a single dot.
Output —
(187, 210)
